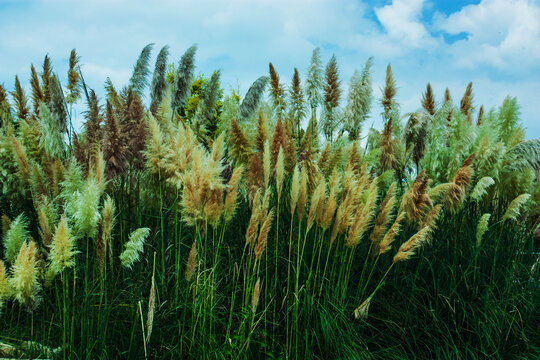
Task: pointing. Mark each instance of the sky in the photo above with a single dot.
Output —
(493, 43)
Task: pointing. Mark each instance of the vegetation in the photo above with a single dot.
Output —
(185, 223)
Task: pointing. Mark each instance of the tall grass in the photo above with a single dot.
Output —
(203, 226)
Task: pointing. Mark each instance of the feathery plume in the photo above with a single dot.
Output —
(456, 194)
(386, 243)
(439, 192)
(46, 78)
(134, 247)
(266, 164)
(331, 203)
(20, 100)
(385, 213)
(431, 217)
(480, 189)
(314, 81)
(105, 233)
(192, 262)
(151, 306)
(5, 287)
(62, 248)
(277, 91)
(114, 148)
(139, 79)
(37, 94)
(263, 234)
(302, 195)
(87, 208)
(428, 100)
(159, 83)
(481, 228)
(466, 100)
(389, 92)
(256, 295)
(295, 189)
(253, 226)
(262, 132)
(252, 98)
(415, 200)
(15, 237)
(407, 249)
(515, 207)
(480, 116)
(74, 92)
(361, 312)
(317, 200)
(22, 160)
(279, 169)
(232, 194)
(58, 104)
(238, 144)
(24, 275)
(182, 79)
(297, 111)
(256, 173)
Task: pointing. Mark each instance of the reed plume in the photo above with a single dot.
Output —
(331, 202)
(280, 173)
(134, 247)
(262, 132)
(15, 236)
(295, 189)
(514, 209)
(362, 219)
(481, 228)
(480, 189)
(256, 295)
(263, 234)
(302, 195)
(37, 94)
(386, 243)
(106, 226)
(439, 192)
(408, 248)
(428, 100)
(361, 312)
(24, 275)
(317, 201)
(114, 147)
(61, 255)
(74, 91)
(238, 144)
(431, 217)
(5, 287)
(252, 98)
(232, 194)
(276, 91)
(20, 100)
(266, 164)
(44, 228)
(159, 82)
(416, 199)
(192, 262)
(183, 77)
(22, 160)
(385, 215)
(457, 193)
(466, 100)
(255, 174)
(46, 79)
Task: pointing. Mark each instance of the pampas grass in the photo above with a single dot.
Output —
(14, 237)
(134, 247)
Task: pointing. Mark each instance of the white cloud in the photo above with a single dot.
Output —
(501, 33)
(401, 20)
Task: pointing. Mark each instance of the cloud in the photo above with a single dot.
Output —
(401, 20)
(500, 33)
(240, 37)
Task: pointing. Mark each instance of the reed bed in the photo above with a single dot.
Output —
(181, 221)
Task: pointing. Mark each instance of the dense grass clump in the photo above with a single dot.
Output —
(185, 223)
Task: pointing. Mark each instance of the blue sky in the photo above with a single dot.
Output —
(493, 43)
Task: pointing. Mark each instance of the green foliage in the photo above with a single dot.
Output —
(15, 237)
